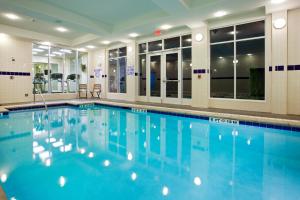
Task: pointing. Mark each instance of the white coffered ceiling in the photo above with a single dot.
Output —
(92, 21)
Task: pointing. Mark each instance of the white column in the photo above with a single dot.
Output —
(279, 58)
(200, 61)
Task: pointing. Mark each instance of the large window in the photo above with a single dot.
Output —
(57, 69)
(237, 61)
(117, 70)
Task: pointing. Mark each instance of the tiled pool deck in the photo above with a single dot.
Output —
(289, 122)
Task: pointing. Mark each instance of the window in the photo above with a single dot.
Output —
(171, 43)
(57, 69)
(117, 70)
(142, 75)
(187, 73)
(186, 40)
(155, 46)
(237, 62)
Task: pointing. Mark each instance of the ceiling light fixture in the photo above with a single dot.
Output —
(106, 42)
(66, 50)
(220, 13)
(277, 1)
(133, 35)
(90, 47)
(44, 47)
(199, 37)
(165, 27)
(12, 16)
(46, 43)
(279, 23)
(61, 29)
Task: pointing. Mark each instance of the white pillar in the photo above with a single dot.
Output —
(279, 59)
(131, 69)
(200, 61)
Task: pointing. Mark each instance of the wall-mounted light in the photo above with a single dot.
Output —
(129, 49)
(279, 23)
(199, 37)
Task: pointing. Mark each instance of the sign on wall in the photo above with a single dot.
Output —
(98, 72)
(130, 70)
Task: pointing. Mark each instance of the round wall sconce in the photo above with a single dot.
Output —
(129, 49)
(279, 23)
(199, 37)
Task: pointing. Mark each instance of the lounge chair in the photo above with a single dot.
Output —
(97, 90)
(82, 89)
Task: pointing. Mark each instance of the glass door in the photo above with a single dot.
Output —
(171, 76)
(154, 62)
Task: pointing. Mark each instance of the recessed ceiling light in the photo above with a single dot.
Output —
(105, 42)
(165, 27)
(61, 29)
(12, 16)
(133, 35)
(90, 47)
(34, 53)
(277, 1)
(81, 49)
(66, 50)
(220, 13)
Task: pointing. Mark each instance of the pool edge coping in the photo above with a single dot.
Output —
(269, 122)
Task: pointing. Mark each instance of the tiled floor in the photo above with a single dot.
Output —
(289, 120)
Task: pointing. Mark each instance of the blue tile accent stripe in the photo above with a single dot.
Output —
(200, 71)
(293, 67)
(270, 68)
(279, 68)
(247, 123)
(5, 73)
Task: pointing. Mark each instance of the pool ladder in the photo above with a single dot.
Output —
(40, 93)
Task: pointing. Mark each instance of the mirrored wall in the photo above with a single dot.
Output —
(58, 69)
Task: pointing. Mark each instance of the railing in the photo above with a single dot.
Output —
(40, 93)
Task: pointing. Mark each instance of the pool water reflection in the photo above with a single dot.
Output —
(111, 153)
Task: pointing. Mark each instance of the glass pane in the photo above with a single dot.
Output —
(222, 70)
(155, 65)
(83, 70)
(172, 43)
(122, 78)
(155, 46)
(142, 48)
(255, 29)
(113, 53)
(142, 75)
(56, 69)
(221, 34)
(113, 76)
(70, 72)
(40, 68)
(187, 73)
(250, 69)
(186, 40)
(172, 75)
(122, 51)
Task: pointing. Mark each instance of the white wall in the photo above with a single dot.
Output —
(294, 59)
(15, 90)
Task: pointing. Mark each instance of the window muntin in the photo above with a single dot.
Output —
(240, 71)
(171, 43)
(117, 70)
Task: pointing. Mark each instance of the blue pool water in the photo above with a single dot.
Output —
(112, 153)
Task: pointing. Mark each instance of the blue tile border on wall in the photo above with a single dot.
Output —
(6, 73)
(200, 71)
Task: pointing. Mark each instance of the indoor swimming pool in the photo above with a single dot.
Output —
(101, 152)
